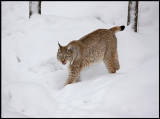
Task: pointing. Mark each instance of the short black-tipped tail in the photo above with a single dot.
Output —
(122, 27)
(117, 28)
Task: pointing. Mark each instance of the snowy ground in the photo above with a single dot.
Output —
(32, 78)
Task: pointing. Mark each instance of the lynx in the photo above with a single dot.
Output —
(99, 45)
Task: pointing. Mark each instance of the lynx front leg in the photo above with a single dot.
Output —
(73, 76)
(78, 79)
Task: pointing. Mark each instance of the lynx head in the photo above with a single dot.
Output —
(65, 54)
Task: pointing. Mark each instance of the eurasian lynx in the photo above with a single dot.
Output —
(99, 45)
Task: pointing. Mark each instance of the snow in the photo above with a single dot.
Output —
(33, 80)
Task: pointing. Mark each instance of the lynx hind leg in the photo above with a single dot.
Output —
(117, 66)
(109, 62)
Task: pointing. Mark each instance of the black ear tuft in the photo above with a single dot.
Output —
(122, 27)
(59, 45)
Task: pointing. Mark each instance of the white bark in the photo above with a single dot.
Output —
(34, 7)
(132, 14)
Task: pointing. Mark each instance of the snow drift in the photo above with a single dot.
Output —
(32, 78)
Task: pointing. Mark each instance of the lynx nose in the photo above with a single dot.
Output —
(63, 61)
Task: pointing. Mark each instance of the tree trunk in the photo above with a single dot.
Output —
(133, 14)
(34, 8)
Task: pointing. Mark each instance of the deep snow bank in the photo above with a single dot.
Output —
(32, 78)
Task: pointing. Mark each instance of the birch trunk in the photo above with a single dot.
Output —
(133, 14)
(34, 8)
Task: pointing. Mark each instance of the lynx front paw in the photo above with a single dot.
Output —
(68, 82)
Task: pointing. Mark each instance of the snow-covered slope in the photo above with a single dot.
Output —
(33, 79)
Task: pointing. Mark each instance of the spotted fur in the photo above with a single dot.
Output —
(99, 45)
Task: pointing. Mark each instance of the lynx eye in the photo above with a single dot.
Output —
(60, 56)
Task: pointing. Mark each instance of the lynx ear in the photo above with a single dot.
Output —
(59, 45)
(70, 47)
